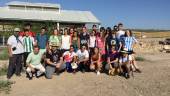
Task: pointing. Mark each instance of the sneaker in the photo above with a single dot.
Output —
(83, 70)
(127, 76)
(98, 72)
(30, 75)
(38, 74)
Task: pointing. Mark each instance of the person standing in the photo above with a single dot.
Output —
(120, 31)
(100, 43)
(119, 34)
(83, 39)
(54, 39)
(111, 41)
(28, 27)
(42, 40)
(92, 42)
(28, 42)
(66, 41)
(75, 41)
(128, 42)
(15, 51)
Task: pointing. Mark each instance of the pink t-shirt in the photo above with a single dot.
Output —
(100, 45)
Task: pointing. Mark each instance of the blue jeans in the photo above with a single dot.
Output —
(68, 66)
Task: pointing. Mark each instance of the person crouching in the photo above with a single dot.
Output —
(54, 60)
(34, 63)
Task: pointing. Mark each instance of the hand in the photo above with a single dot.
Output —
(78, 62)
(49, 51)
(10, 54)
(32, 69)
(58, 66)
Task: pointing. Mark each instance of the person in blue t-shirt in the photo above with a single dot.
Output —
(42, 39)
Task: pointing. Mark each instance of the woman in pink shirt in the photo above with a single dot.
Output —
(100, 42)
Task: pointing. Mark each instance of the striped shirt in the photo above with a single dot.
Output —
(128, 42)
(28, 43)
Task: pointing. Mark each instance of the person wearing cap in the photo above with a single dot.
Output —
(124, 63)
(54, 61)
(112, 61)
(83, 57)
(34, 63)
(15, 51)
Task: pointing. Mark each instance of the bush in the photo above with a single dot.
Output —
(139, 58)
(3, 71)
(4, 54)
(5, 86)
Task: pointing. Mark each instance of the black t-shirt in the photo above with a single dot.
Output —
(110, 41)
(54, 56)
(84, 39)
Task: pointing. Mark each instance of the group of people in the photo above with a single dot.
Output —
(104, 50)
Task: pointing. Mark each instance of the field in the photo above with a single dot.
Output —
(153, 81)
(152, 34)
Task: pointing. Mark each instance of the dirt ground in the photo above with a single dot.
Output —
(153, 81)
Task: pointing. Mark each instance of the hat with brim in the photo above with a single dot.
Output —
(54, 45)
(16, 29)
(124, 52)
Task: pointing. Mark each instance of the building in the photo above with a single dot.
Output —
(16, 13)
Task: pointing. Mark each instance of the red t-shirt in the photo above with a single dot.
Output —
(32, 34)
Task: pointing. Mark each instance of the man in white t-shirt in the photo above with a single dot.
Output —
(83, 57)
(15, 51)
(119, 34)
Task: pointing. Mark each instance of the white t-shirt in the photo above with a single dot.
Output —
(120, 33)
(92, 41)
(82, 55)
(68, 56)
(65, 42)
(16, 45)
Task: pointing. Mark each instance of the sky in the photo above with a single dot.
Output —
(136, 14)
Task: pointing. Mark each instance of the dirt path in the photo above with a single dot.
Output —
(154, 81)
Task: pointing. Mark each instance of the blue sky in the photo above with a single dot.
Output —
(144, 14)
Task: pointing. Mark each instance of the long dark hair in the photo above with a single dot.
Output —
(108, 29)
(93, 53)
(129, 32)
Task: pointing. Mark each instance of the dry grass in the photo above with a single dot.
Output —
(153, 34)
